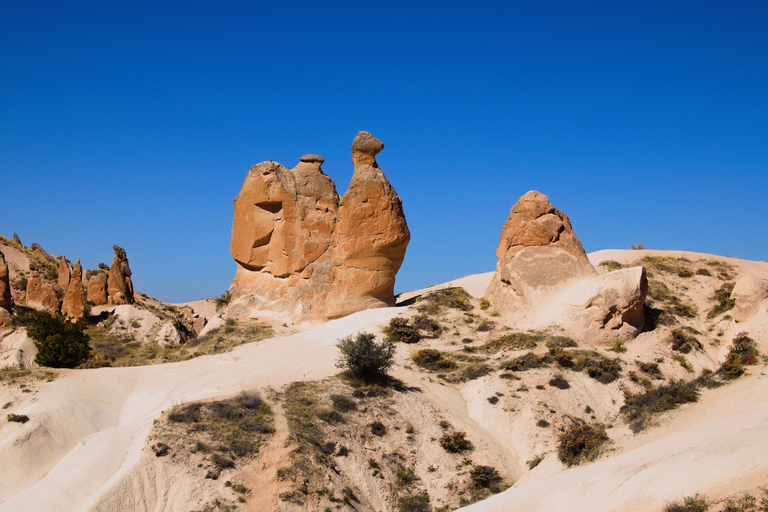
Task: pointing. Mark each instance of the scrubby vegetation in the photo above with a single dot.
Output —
(722, 300)
(743, 352)
(452, 298)
(366, 359)
(515, 341)
(400, 331)
(60, 344)
(639, 408)
(433, 360)
(455, 442)
(695, 503)
(580, 443)
(684, 342)
(223, 300)
(109, 348)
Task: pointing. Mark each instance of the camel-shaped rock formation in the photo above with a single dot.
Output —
(307, 254)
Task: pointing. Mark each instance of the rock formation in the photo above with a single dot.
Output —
(6, 301)
(544, 277)
(65, 273)
(41, 294)
(17, 240)
(306, 253)
(119, 284)
(73, 305)
(748, 294)
(97, 288)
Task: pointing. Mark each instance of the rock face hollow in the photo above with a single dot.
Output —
(307, 254)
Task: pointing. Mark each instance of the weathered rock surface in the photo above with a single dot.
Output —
(41, 294)
(119, 284)
(304, 252)
(749, 292)
(65, 273)
(16, 239)
(6, 301)
(41, 253)
(73, 305)
(543, 277)
(97, 287)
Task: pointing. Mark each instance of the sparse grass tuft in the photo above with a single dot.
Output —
(684, 343)
(690, 504)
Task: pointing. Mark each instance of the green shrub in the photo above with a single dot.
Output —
(639, 407)
(455, 443)
(580, 443)
(746, 347)
(365, 358)
(399, 331)
(404, 476)
(60, 344)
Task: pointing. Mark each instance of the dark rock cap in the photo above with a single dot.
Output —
(312, 159)
(366, 143)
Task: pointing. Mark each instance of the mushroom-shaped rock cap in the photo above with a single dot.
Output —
(366, 143)
(312, 159)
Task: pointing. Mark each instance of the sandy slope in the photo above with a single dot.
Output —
(88, 428)
(717, 446)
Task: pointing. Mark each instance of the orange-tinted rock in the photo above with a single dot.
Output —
(544, 278)
(41, 294)
(119, 284)
(303, 251)
(73, 305)
(97, 288)
(65, 273)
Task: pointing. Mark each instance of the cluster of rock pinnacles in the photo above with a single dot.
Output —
(68, 295)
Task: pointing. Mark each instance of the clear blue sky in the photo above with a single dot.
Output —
(135, 123)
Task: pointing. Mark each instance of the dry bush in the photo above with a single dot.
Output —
(515, 340)
(430, 326)
(455, 443)
(580, 443)
(528, 361)
(484, 476)
(433, 360)
(689, 504)
(559, 382)
(651, 369)
(596, 365)
(400, 331)
(365, 358)
(682, 342)
(638, 408)
(452, 298)
(723, 301)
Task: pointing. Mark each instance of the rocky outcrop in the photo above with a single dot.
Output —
(42, 255)
(73, 305)
(6, 301)
(97, 287)
(543, 277)
(307, 254)
(119, 284)
(41, 294)
(65, 273)
(17, 240)
(748, 294)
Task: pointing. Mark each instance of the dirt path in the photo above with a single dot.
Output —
(261, 475)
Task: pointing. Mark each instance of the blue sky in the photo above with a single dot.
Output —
(134, 123)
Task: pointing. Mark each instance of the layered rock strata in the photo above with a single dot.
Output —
(543, 277)
(307, 254)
